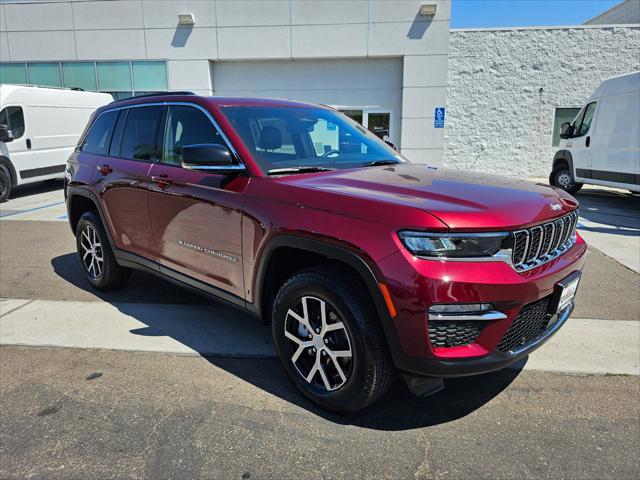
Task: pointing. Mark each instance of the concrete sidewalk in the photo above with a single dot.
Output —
(582, 346)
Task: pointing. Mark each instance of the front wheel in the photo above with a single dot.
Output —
(563, 178)
(329, 340)
(5, 187)
(95, 255)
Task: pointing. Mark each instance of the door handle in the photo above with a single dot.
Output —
(162, 180)
(28, 144)
(105, 169)
(587, 142)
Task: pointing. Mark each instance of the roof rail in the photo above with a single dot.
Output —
(157, 94)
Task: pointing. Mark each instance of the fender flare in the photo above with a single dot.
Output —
(5, 162)
(333, 252)
(73, 191)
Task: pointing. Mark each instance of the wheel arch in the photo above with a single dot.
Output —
(563, 156)
(319, 252)
(80, 200)
(6, 165)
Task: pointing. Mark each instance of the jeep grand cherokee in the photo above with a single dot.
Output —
(364, 264)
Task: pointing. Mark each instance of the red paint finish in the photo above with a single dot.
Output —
(216, 228)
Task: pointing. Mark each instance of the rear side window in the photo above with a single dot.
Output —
(13, 118)
(140, 130)
(99, 136)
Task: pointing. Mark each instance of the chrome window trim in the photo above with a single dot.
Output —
(239, 166)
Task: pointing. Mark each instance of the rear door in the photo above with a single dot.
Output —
(196, 216)
(123, 179)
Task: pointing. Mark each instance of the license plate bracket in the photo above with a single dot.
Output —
(565, 292)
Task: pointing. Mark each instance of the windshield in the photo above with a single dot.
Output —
(290, 138)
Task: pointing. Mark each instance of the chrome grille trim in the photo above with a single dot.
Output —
(535, 252)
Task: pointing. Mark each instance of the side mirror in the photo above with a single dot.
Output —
(5, 134)
(209, 157)
(392, 145)
(565, 130)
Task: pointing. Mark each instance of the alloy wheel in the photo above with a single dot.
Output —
(563, 179)
(320, 344)
(92, 254)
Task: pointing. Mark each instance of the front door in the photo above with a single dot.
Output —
(580, 143)
(19, 150)
(196, 217)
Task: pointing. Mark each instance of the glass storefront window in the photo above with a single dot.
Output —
(149, 76)
(45, 74)
(13, 73)
(80, 75)
(114, 76)
(122, 79)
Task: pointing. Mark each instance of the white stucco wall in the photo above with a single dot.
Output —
(498, 118)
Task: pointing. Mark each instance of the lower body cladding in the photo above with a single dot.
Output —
(465, 318)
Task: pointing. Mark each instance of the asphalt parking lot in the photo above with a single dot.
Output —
(154, 381)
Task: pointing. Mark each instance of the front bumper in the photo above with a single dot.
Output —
(416, 284)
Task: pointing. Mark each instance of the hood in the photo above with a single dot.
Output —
(462, 200)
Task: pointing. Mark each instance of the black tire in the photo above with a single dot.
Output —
(5, 187)
(92, 243)
(368, 372)
(562, 177)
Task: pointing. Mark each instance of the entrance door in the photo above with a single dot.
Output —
(377, 121)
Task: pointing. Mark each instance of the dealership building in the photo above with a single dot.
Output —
(473, 99)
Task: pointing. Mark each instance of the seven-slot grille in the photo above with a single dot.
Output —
(536, 245)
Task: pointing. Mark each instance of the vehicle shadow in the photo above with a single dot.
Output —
(35, 188)
(615, 212)
(198, 328)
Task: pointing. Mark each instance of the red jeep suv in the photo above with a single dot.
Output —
(364, 264)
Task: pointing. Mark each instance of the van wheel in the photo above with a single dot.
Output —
(95, 255)
(563, 178)
(329, 340)
(5, 187)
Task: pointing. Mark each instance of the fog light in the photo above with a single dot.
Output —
(456, 308)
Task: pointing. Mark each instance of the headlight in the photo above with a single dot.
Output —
(460, 245)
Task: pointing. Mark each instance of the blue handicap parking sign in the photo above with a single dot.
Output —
(438, 120)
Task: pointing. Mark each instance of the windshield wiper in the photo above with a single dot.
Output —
(378, 163)
(309, 169)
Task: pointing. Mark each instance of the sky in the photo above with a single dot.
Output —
(518, 13)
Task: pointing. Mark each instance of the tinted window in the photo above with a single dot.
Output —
(139, 137)
(97, 139)
(13, 118)
(186, 126)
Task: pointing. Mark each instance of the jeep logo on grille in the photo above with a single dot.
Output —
(555, 206)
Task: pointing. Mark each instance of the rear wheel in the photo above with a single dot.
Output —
(330, 341)
(5, 186)
(95, 255)
(563, 178)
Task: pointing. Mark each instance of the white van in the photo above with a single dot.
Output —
(602, 145)
(39, 128)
